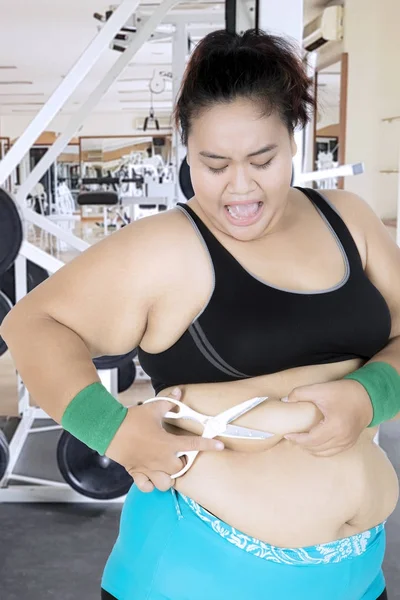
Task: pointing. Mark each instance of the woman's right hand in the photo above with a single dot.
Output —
(147, 451)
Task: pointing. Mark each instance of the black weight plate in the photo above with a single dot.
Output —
(112, 362)
(35, 275)
(5, 307)
(11, 231)
(98, 198)
(184, 180)
(88, 473)
(126, 376)
(4, 454)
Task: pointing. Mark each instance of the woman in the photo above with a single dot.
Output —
(252, 288)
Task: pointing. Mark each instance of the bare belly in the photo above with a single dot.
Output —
(278, 492)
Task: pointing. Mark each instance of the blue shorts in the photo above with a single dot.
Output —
(170, 548)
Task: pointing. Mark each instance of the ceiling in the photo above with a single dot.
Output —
(42, 40)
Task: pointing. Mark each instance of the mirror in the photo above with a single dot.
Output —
(68, 168)
(329, 138)
(137, 168)
(100, 156)
(5, 144)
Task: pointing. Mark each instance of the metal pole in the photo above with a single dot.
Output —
(179, 54)
(76, 121)
(67, 87)
(342, 171)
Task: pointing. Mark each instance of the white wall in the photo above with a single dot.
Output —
(372, 40)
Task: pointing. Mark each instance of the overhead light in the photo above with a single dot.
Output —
(132, 91)
(21, 94)
(132, 79)
(22, 103)
(16, 82)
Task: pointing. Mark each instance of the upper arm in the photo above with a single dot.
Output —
(105, 294)
(382, 255)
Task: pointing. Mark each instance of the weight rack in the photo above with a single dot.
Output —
(15, 487)
(23, 488)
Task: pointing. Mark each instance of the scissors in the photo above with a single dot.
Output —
(217, 426)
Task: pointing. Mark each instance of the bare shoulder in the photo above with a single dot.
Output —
(351, 206)
(164, 235)
(105, 295)
(359, 217)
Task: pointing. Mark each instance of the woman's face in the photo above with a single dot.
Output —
(240, 167)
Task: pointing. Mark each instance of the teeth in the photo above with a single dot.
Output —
(240, 211)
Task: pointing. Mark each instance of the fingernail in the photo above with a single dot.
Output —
(219, 445)
(285, 399)
(175, 392)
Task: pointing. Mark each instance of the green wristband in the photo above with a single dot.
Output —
(94, 416)
(382, 382)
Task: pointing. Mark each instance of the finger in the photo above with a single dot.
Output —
(176, 394)
(317, 437)
(160, 408)
(172, 465)
(187, 443)
(162, 481)
(303, 393)
(142, 482)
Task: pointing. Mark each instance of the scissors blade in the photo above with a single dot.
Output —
(235, 431)
(240, 409)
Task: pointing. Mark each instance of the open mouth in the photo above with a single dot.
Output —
(244, 214)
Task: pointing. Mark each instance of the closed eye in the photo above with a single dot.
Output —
(264, 166)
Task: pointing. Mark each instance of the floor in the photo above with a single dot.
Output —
(43, 545)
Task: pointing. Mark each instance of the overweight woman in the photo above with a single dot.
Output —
(252, 288)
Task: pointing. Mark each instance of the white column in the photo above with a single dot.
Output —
(285, 17)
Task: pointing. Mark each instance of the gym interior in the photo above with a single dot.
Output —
(87, 146)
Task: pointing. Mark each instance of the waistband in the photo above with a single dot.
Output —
(331, 552)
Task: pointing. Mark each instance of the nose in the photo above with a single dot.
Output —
(241, 182)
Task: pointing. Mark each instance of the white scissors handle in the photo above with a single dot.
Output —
(213, 426)
(191, 454)
(183, 412)
(190, 458)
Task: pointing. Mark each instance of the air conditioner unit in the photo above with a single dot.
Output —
(325, 28)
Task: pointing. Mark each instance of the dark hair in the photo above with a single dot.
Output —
(256, 65)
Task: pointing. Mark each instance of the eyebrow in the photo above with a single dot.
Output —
(261, 151)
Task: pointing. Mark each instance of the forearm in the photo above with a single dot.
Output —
(53, 361)
(391, 355)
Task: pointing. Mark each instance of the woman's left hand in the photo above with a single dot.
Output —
(347, 411)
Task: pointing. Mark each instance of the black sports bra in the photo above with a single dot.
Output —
(250, 328)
